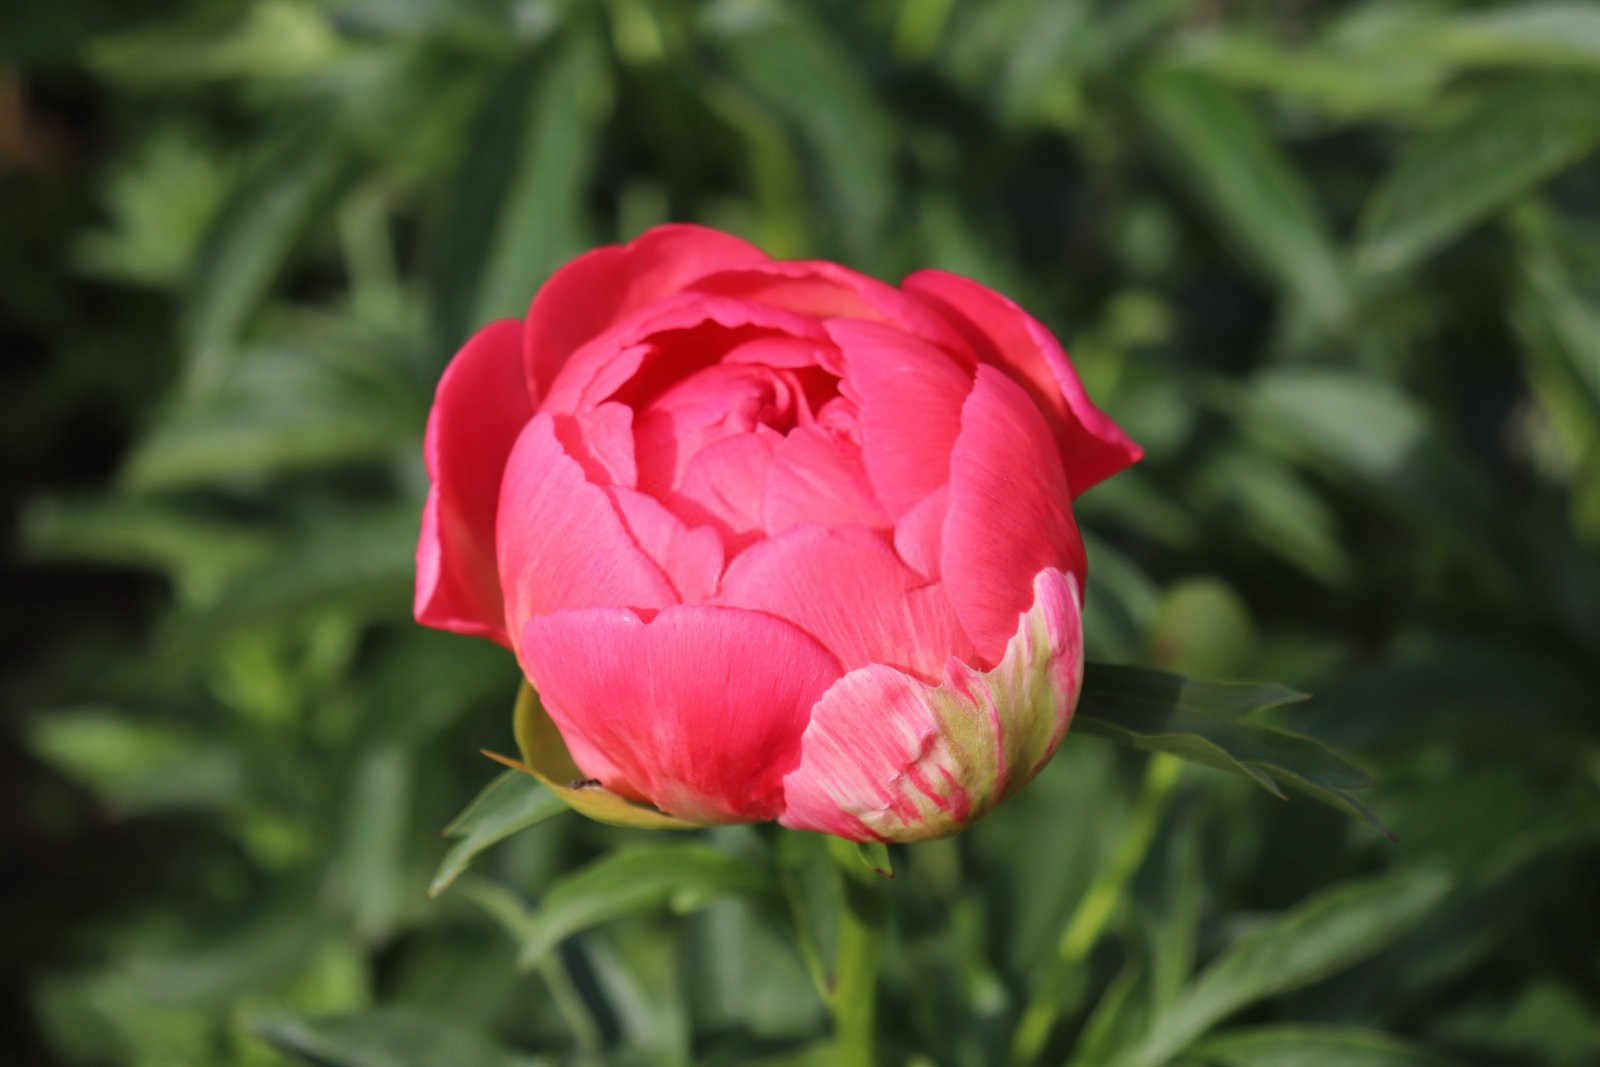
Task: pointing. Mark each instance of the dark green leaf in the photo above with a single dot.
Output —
(1203, 722)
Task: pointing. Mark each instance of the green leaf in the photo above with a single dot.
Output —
(247, 246)
(1454, 178)
(1329, 932)
(136, 766)
(1204, 722)
(1307, 1045)
(797, 65)
(517, 209)
(279, 411)
(1229, 158)
(200, 553)
(388, 1037)
(869, 858)
(684, 876)
(1549, 34)
(545, 756)
(509, 804)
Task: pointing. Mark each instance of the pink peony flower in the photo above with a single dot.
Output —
(772, 539)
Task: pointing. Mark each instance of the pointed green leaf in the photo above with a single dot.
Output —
(510, 804)
(1454, 178)
(1329, 932)
(685, 876)
(1225, 153)
(394, 1037)
(246, 248)
(1307, 1045)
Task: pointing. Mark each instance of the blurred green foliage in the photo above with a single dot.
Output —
(1336, 265)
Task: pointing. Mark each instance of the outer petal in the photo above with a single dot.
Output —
(1009, 515)
(910, 395)
(845, 587)
(599, 287)
(699, 710)
(1092, 446)
(480, 407)
(561, 542)
(890, 758)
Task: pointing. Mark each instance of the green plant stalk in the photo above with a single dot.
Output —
(1061, 984)
(855, 984)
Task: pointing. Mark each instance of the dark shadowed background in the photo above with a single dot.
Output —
(1336, 266)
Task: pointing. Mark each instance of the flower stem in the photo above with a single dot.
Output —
(855, 984)
(1061, 984)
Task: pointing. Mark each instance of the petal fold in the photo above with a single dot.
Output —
(909, 395)
(845, 587)
(889, 758)
(1092, 446)
(561, 542)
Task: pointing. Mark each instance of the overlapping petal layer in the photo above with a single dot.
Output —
(761, 533)
(888, 757)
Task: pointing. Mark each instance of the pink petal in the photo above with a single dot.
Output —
(601, 440)
(1009, 515)
(817, 477)
(1092, 446)
(827, 290)
(909, 394)
(699, 710)
(599, 287)
(480, 407)
(668, 341)
(845, 587)
(562, 544)
(889, 758)
(720, 401)
(690, 556)
(723, 486)
(916, 535)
